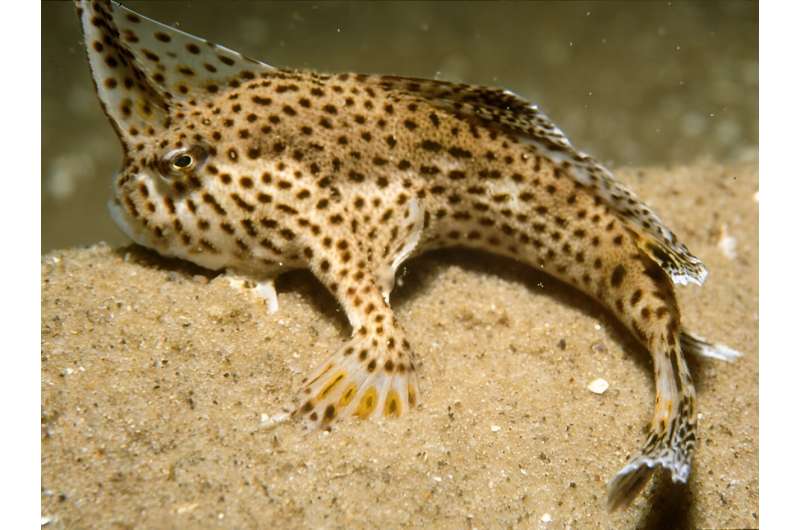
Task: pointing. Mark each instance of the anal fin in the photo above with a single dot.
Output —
(697, 345)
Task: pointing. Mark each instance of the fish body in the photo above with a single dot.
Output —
(233, 164)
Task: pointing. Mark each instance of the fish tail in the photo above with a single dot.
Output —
(672, 434)
(671, 438)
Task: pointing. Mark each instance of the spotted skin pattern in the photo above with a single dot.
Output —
(233, 164)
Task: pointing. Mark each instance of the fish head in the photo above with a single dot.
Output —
(158, 86)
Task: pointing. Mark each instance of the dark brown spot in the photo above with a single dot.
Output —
(617, 275)
(457, 152)
(636, 297)
(151, 56)
(430, 145)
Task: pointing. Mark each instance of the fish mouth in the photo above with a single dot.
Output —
(123, 221)
(118, 214)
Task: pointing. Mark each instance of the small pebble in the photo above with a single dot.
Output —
(727, 243)
(270, 422)
(186, 508)
(495, 428)
(598, 386)
(599, 347)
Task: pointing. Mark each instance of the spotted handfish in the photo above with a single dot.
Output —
(235, 165)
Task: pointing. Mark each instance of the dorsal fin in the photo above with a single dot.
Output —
(142, 68)
(504, 109)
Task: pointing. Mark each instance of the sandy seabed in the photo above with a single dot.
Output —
(157, 379)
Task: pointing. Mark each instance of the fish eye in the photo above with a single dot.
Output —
(183, 161)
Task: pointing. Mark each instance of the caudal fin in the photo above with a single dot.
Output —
(672, 437)
(660, 450)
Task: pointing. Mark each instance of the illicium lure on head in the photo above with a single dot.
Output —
(233, 164)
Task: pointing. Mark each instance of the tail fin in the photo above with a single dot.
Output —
(669, 452)
(697, 345)
(671, 440)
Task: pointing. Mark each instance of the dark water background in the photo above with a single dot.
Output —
(633, 83)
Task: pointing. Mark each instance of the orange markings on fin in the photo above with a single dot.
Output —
(330, 386)
(347, 396)
(366, 405)
(392, 406)
(412, 396)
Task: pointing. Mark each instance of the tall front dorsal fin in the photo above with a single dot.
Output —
(501, 108)
(142, 68)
